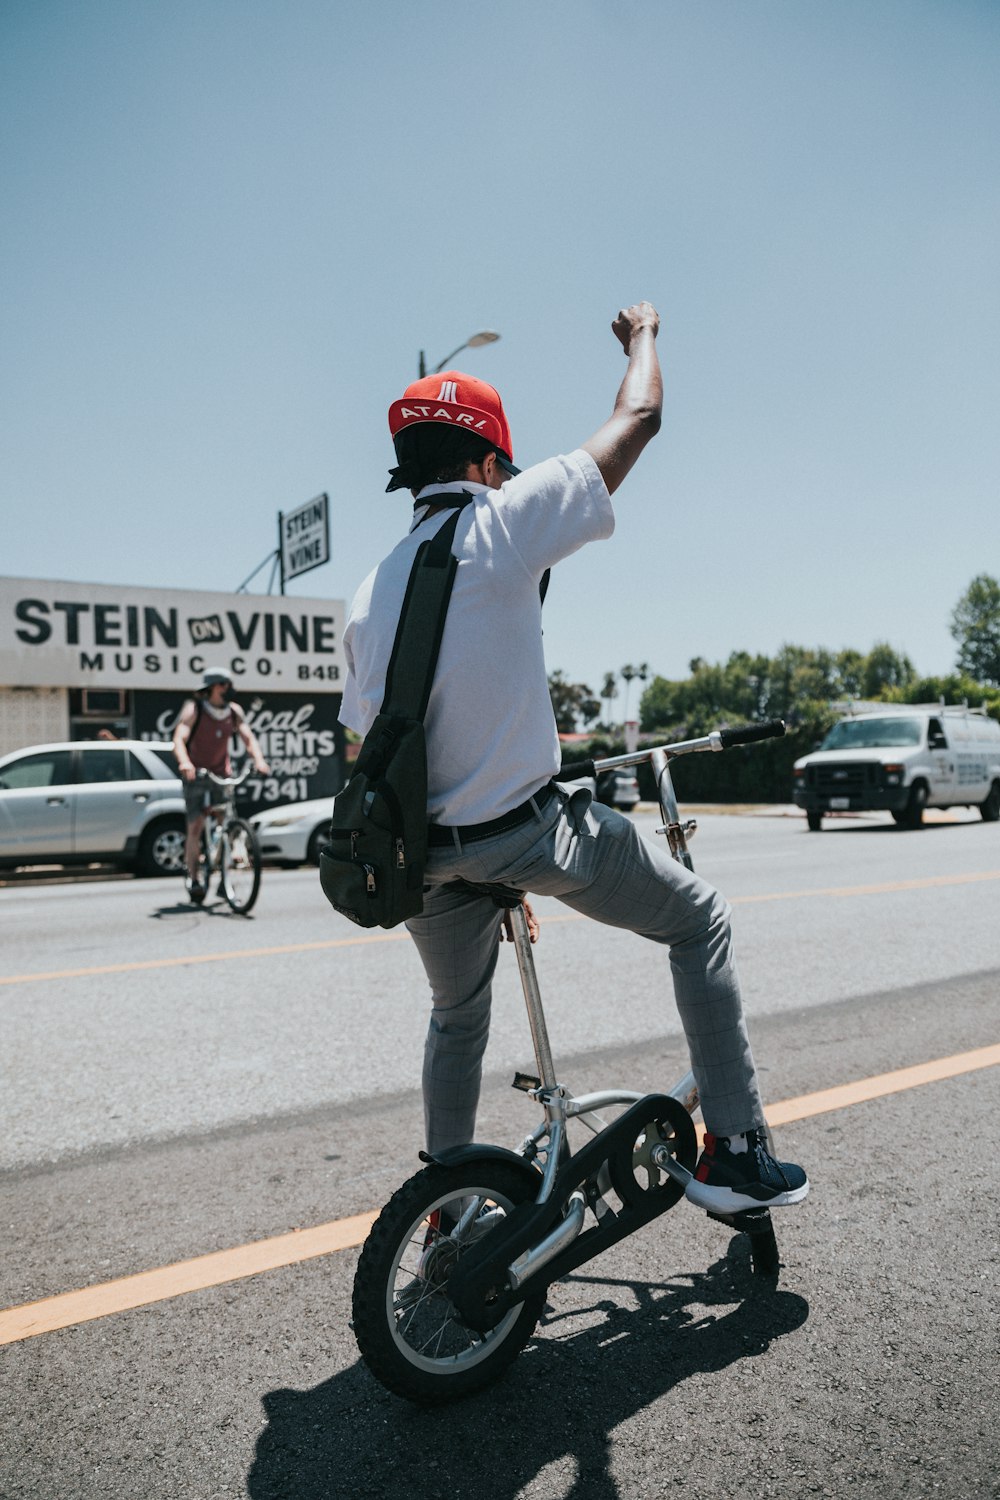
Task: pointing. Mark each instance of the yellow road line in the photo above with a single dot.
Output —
(846, 1094)
(71, 1308)
(215, 958)
(185, 1276)
(928, 883)
(924, 884)
(203, 958)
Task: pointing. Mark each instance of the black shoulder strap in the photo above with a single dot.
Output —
(410, 674)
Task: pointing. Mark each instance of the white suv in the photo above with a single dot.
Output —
(903, 758)
(93, 802)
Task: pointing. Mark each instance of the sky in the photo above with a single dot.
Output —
(229, 227)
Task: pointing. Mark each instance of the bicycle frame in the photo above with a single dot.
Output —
(221, 828)
(219, 814)
(549, 1139)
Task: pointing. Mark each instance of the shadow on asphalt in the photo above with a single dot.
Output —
(559, 1403)
(212, 907)
(886, 828)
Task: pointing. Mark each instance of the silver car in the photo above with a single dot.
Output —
(618, 788)
(294, 833)
(93, 802)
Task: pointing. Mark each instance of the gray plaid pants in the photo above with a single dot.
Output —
(593, 860)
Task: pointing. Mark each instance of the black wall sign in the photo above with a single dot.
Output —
(298, 734)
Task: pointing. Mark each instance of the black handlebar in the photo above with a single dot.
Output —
(576, 770)
(747, 733)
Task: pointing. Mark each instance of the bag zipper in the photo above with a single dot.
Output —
(370, 887)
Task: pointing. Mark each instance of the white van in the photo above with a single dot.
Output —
(903, 757)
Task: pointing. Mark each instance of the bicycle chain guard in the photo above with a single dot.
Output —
(627, 1166)
(478, 1288)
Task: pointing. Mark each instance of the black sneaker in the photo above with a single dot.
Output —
(726, 1181)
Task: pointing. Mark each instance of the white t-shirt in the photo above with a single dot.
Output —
(491, 733)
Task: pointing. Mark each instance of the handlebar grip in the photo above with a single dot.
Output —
(575, 770)
(747, 733)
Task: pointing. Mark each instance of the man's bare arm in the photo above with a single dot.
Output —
(182, 732)
(638, 406)
(249, 739)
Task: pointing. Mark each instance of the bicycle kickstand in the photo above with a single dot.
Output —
(755, 1223)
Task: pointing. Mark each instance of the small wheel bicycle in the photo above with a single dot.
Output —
(229, 848)
(453, 1276)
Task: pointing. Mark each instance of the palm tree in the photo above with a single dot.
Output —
(642, 672)
(609, 691)
(628, 672)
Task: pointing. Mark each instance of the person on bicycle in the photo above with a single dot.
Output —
(202, 736)
(496, 812)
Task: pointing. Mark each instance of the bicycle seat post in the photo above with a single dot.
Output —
(532, 998)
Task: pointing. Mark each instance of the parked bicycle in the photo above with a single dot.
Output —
(453, 1277)
(229, 848)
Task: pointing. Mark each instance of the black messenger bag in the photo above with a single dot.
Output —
(372, 870)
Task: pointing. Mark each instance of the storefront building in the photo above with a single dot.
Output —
(82, 661)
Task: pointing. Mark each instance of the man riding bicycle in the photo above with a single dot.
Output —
(496, 811)
(202, 736)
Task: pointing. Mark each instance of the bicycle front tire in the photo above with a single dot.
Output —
(240, 865)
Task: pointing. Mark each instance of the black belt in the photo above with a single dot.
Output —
(439, 836)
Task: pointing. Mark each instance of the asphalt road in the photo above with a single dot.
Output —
(192, 1082)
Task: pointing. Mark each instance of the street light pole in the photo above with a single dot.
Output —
(475, 341)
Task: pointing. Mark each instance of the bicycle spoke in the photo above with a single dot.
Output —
(425, 1319)
(437, 1339)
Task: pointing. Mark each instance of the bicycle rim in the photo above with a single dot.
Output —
(428, 1331)
(409, 1332)
(240, 865)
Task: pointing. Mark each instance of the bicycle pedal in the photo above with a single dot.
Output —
(526, 1082)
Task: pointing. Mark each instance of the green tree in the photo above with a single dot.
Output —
(955, 688)
(851, 673)
(571, 702)
(885, 669)
(798, 685)
(657, 708)
(713, 692)
(975, 625)
(801, 675)
(746, 686)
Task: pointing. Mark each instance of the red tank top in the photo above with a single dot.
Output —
(208, 742)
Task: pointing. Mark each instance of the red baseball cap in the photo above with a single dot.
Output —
(459, 401)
